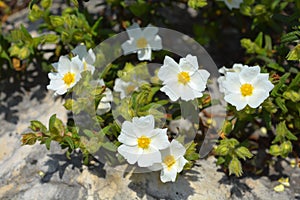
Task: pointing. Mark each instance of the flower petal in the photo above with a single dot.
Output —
(237, 100)
(160, 139)
(257, 98)
(143, 125)
(149, 157)
(130, 153)
(168, 174)
(180, 162)
(127, 140)
(189, 64)
(134, 31)
(170, 93)
(128, 129)
(150, 32)
(232, 82)
(177, 149)
(199, 80)
(129, 47)
(155, 43)
(247, 75)
(144, 54)
(80, 50)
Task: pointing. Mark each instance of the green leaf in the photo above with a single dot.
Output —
(48, 142)
(220, 160)
(295, 82)
(197, 3)
(110, 146)
(37, 126)
(280, 85)
(259, 39)
(69, 141)
(294, 54)
(96, 26)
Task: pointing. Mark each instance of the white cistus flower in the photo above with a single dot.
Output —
(246, 87)
(142, 142)
(88, 57)
(142, 41)
(172, 161)
(105, 103)
(66, 76)
(233, 3)
(125, 88)
(183, 80)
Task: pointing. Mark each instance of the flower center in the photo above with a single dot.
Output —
(246, 89)
(183, 78)
(69, 78)
(169, 161)
(143, 142)
(141, 43)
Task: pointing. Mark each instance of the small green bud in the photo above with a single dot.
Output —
(46, 3)
(56, 21)
(259, 9)
(286, 148)
(243, 152)
(275, 150)
(222, 150)
(294, 54)
(235, 167)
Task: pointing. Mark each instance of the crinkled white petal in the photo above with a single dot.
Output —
(168, 174)
(143, 125)
(128, 129)
(149, 157)
(155, 43)
(160, 139)
(134, 31)
(189, 64)
(180, 162)
(90, 57)
(144, 54)
(237, 100)
(130, 153)
(129, 47)
(198, 80)
(247, 75)
(63, 65)
(170, 93)
(127, 139)
(257, 98)
(150, 32)
(177, 149)
(169, 71)
(232, 82)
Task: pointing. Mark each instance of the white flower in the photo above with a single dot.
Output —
(142, 41)
(104, 104)
(247, 87)
(141, 142)
(183, 80)
(125, 88)
(233, 3)
(172, 162)
(67, 75)
(88, 57)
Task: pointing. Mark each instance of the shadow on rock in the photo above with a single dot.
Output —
(149, 184)
(14, 85)
(238, 188)
(59, 163)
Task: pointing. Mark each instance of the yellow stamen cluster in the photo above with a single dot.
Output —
(246, 89)
(143, 142)
(141, 43)
(183, 78)
(169, 161)
(69, 78)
